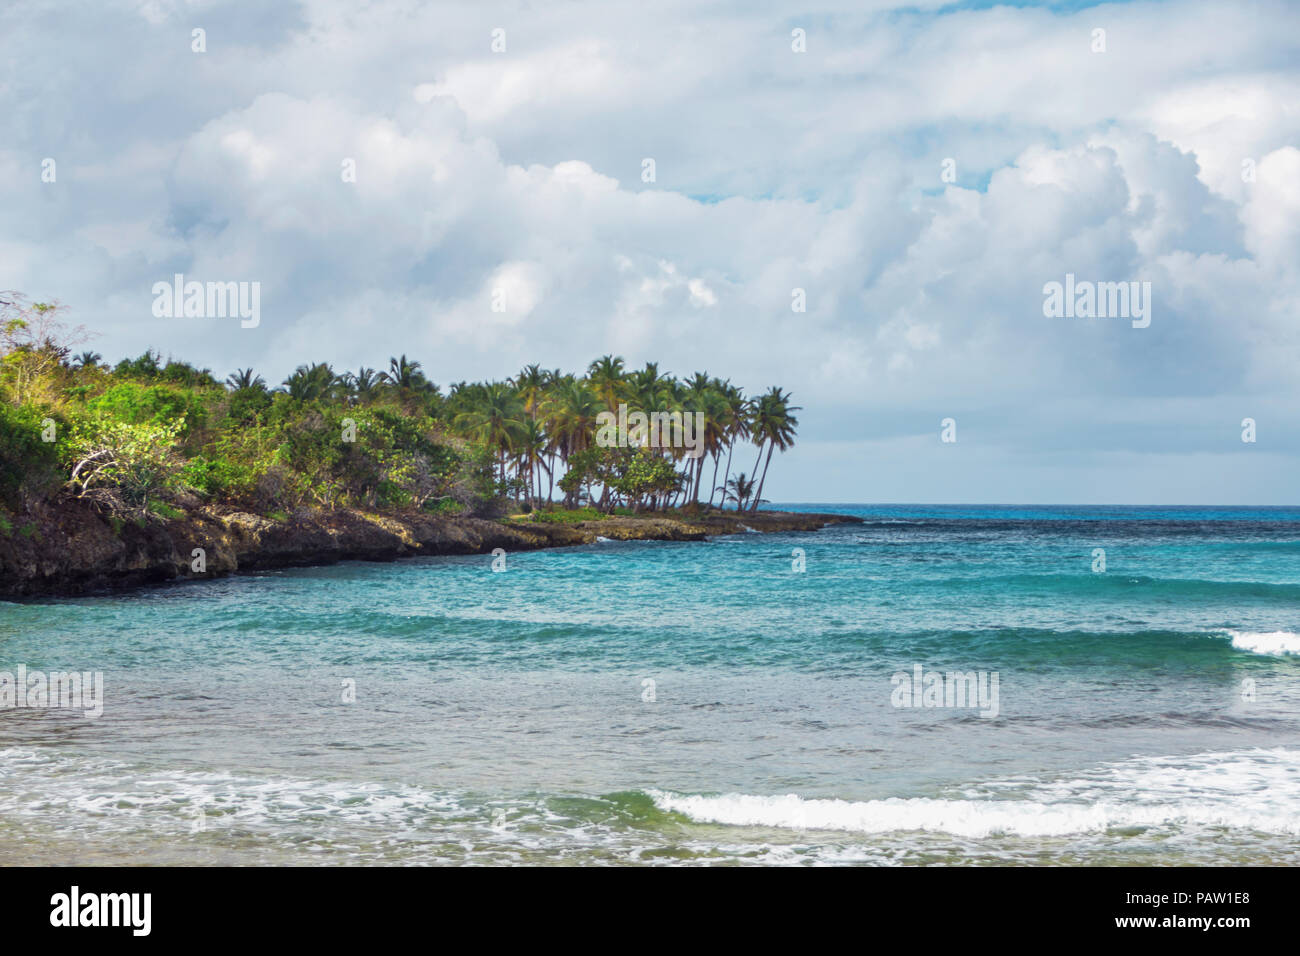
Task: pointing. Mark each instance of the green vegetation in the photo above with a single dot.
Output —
(147, 438)
(567, 515)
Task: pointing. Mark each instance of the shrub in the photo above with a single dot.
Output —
(123, 466)
(218, 477)
(138, 404)
(28, 464)
(247, 404)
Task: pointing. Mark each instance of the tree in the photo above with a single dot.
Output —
(569, 414)
(649, 391)
(312, 382)
(105, 433)
(495, 419)
(704, 395)
(530, 446)
(364, 386)
(531, 383)
(738, 490)
(646, 473)
(605, 376)
(86, 360)
(406, 375)
(735, 425)
(244, 378)
(591, 466)
(775, 425)
(145, 367)
(34, 341)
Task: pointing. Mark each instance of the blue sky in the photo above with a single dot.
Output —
(821, 170)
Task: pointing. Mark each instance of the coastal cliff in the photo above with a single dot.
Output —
(70, 548)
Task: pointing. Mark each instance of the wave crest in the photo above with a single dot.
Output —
(1146, 792)
(1273, 643)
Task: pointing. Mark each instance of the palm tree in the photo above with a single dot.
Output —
(701, 395)
(569, 413)
(553, 378)
(605, 376)
(496, 419)
(672, 400)
(738, 490)
(310, 383)
(531, 383)
(365, 384)
(735, 424)
(713, 404)
(775, 425)
(406, 375)
(531, 445)
(87, 360)
(244, 378)
(460, 397)
(647, 390)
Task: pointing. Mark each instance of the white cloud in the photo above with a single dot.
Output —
(821, 171)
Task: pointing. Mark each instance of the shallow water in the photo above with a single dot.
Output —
(1146, 714)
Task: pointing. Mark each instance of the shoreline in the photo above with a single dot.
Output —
(72, 550)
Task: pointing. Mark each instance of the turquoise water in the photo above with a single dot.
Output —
(1149, 713)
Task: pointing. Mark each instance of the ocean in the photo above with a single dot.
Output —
(1098, 686)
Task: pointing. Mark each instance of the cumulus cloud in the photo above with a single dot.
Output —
(398, 187)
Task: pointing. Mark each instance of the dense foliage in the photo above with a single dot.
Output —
(149, 436)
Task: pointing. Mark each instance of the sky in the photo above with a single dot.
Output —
(920, 171)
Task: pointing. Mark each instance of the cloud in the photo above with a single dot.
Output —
(520, 173)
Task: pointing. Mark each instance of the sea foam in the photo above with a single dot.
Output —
(1202, 790)
(1273, 642)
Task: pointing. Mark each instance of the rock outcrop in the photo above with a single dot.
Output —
(70, 548)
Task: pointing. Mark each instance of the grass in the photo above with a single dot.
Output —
(567, 515)
(575, 515)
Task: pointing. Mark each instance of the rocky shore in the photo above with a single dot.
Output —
(72, 549)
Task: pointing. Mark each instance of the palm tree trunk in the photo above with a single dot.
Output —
(726, 473)
(758, 495)
(713, 490)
